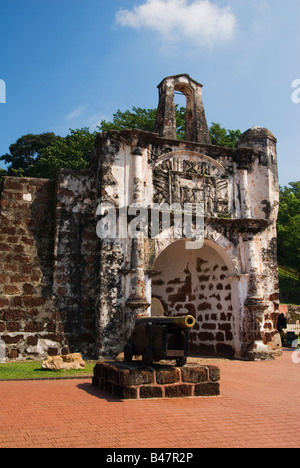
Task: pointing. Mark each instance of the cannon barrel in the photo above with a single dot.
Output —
(186, 321)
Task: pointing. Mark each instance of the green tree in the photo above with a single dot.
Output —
(25, 152)
(289, 226)
(222, 137)
(3, 173)
(142, 119)
(71, 152)
(180, 122)
(289, 202)
(42, 155)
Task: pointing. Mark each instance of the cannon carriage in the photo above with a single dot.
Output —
(160, 338)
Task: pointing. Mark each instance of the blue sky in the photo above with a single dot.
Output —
(70, 63)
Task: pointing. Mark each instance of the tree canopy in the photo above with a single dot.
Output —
(289, 226)
(222, 137)
(142, 119)
(42, 155)
(25, 152)
(3, 173)
(71, 152)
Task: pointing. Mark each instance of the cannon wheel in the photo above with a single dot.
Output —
(180, 362)
(148, 356)
(128, 352)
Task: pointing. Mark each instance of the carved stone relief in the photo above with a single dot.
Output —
(180, 180)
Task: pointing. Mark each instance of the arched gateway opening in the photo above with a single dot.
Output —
(200, 283)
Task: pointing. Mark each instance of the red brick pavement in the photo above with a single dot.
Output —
(259, 407)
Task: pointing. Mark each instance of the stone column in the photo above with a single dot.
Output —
(254, 348)
(136, 303)
(244, 193)
(165, 124)
(200, 131)
(254, 307)
(239, 288)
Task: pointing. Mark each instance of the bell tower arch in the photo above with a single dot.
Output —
(196, 125)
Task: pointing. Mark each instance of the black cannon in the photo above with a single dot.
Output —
(157, 338)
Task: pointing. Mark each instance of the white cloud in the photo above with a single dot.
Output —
(95, 120)
(76, 113)
(200, 21)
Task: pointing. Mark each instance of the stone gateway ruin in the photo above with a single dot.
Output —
(67, 287)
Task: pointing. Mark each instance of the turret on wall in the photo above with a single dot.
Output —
(259, 190)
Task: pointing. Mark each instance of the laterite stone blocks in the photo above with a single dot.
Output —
(134, 381)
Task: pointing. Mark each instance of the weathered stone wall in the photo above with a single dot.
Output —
(76, 260)
(239, 191)
(28, 321)
(196, 283)
(63, 289)
(49, 261)
(83, 293)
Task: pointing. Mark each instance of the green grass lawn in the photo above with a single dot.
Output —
(33, 370)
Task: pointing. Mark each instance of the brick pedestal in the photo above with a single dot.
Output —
(133, 381)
